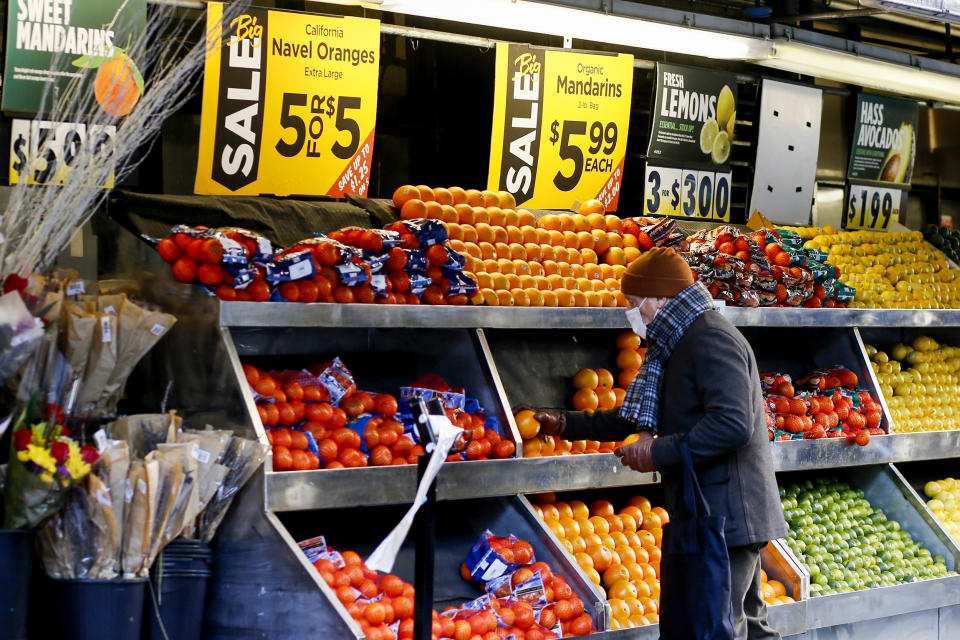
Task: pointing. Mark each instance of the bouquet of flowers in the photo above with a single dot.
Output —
(44, 463)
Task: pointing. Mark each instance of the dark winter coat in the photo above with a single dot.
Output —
(710, 391)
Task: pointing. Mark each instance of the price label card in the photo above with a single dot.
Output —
(44, 152)
(662, 191)
(289, 104)
(560, 121)
(687, 193)
(872, 208)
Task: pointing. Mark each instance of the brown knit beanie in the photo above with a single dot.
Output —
(658, 273)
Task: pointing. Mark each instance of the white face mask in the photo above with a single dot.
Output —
(637, 323)
(643, 314)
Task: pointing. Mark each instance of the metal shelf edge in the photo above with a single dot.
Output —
(280, 314)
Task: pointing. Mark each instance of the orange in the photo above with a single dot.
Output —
(598, 286)
(662, 514)
(631, 254)
(534, 295)
(778, 588)
(562, 254)
(404, 193)
(580, 223)
(469, 233)
(651, 521)
(533, 251)
(527, 282)
(629, 359)
(639, 502)
(615, 256)
(580, 299)
(550, 299)
(627, 339)
(527, 425)
(550, 222)
(604, 378)
(567, 222)
(585, 240)
(596, 301)
(504, 265)
(499, 234)
(413, 208)
(520, 298)
(480, 215)
(586, 379)
(556, 281)
(602, 508)
(592, 206)
(547, 252)
(614, 223)
(531, 448)
(472, 249)
(530, 234)
(490, 297)
(504, 299)
(602, 557)
(526, 218)
(589, 256)
(517, 252)
(506, 200)
(583, 284)
(565, 298)
(626, 377)
(484, 232)
(574, 258)
(487, 250)
(622, 590)
(514, 235)
(570, 240)
(490, 198)
(511, 218)
(614, 574)
(484, 280)
(619, 394)
(536, 270)
(626, 554)
(474, 197)
(434, 211)
(631, 242)
(600, 241)
(596, 221)
(521, 267)
(443, 196)
(543, 236)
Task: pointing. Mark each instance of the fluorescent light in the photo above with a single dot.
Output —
(875, 74)
(594, 26)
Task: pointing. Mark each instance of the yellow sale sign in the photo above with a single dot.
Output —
(560, 121)
(289, 104)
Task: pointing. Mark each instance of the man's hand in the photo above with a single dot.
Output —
(552, 423)
(636, 455)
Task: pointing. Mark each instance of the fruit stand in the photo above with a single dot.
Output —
(509, 355)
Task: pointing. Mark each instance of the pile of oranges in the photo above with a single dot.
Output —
(618, 551)
(536, 445)
(597, 389)
(773, 591)
(630, 357)
(562, 260)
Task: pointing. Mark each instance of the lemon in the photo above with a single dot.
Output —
(725, 107)
(731, 122)
(708, 133)
(721, 148)
(932, 488)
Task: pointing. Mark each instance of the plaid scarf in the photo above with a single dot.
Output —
(642, 402)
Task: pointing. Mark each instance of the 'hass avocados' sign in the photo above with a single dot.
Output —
(693, 116)
(884, 140)
(289, 104)
(560, 122)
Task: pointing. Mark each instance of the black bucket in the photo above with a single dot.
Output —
(97, 609)
(179, 585)
(16, 565)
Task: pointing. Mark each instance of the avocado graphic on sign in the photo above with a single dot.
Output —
(896, 165)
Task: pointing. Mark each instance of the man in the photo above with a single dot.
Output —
(699, 380)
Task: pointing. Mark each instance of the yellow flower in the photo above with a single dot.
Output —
(23, 456)
(46, 477)
(41, 457)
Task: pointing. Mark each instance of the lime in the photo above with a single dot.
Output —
(708, 133)
(721, 148)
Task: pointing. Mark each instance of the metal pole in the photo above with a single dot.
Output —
(426, 532)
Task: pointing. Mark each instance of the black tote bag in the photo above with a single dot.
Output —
(695, 569)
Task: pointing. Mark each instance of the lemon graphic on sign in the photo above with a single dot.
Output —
(708, 134)
(721, 148)
(731, 122)
(725, 106)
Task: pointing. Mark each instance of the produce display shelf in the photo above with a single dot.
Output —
(303, 490)
(370, 486)
(281, 314)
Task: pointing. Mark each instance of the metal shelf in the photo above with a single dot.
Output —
(280, 314)
(371, 486)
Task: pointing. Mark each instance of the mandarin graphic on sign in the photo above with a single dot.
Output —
(884, 140)
(693, 117)
(560, 121)
(51, 43)
(289, 104)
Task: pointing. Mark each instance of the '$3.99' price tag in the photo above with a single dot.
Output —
(683, 193)
(872, 207)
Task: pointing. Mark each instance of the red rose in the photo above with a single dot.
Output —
(22, 438)
(89, 454)
(60, 451)
(14, 283)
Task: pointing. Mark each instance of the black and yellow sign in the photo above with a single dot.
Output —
(884, 140)
(560, 121)
(289, 104)
(872, 208)
(687, 193)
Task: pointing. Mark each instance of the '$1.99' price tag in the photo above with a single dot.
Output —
(687, 193)
(872, 207)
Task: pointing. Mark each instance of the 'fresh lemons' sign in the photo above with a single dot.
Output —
(693, 117)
